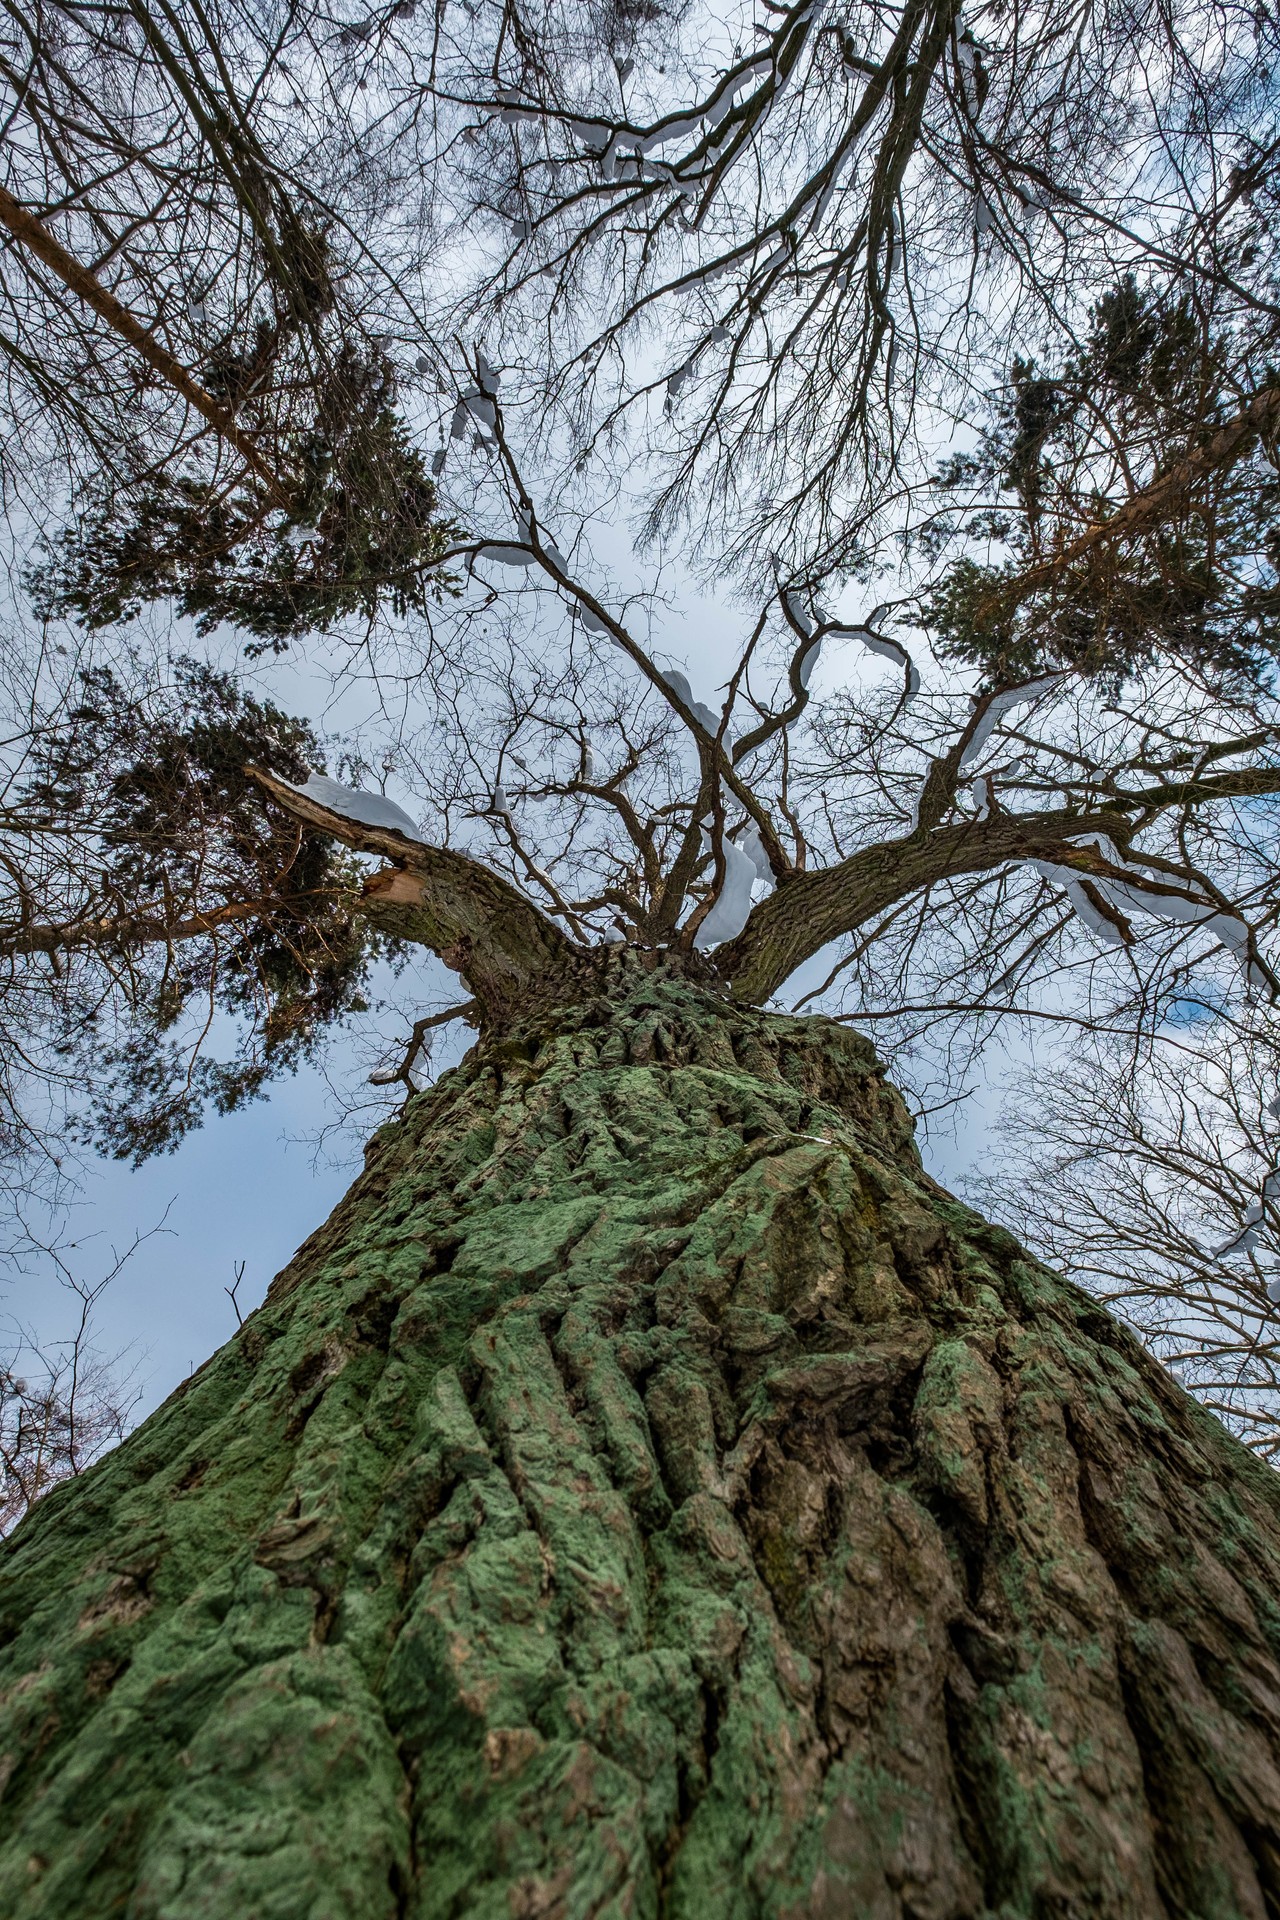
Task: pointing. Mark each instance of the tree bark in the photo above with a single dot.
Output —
(648, 1495)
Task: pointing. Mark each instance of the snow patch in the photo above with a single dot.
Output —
(1251, 1227)
(728, 916)
(679, 685)
(525, 527)
(752, 845)
(366, 809)
(1149, 893)
(887, 649)
(1005, 703)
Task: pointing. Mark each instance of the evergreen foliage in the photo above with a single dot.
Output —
(1148, 389)
(363, 532)
(247, 918)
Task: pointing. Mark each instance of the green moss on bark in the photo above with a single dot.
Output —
(649, 1495)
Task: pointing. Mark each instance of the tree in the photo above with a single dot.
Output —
(62, 1403)
(648, 1489)
(219, 420)
(146, 896)
(1154, 1187)
(200, 412)
(650, 1492)
(53, 1423)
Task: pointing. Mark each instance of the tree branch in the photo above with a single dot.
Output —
(809, 909)
(470, 916)
(1260, 420)
(37, 239)
(127, 929)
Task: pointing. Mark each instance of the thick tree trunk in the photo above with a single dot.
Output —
(650, 1495)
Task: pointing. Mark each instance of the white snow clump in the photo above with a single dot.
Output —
(1251, 1230)
(366, 809)
(679, 685)
(752, 845)
(1148, 892)
(887, 649)
(1005, 703)
(728, 916)
(808, 661)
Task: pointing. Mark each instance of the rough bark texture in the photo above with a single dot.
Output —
(650, 1495)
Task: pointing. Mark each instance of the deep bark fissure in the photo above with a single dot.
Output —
(650, 1495)
(971, 1814)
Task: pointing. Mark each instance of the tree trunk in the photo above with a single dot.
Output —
(651, 1495)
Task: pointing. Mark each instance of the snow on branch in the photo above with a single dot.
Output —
(477, 921)
(816, 625)
(988, 718)
(613, 146)
(1250, 1231)
(593, 623)
(534, 534)
(504, 555)
(887, 648)
(1126, 890)
(704, 715)
(365, 809)
(728, 916)
(808, 661)
(753, 846)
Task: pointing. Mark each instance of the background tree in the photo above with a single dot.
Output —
(1112, 521)
(779, 238)
(62, 1404)
(1151, 1182)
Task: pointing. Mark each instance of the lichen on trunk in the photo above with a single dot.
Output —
(651, 1495)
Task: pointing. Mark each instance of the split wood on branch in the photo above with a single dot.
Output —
(472, 918)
